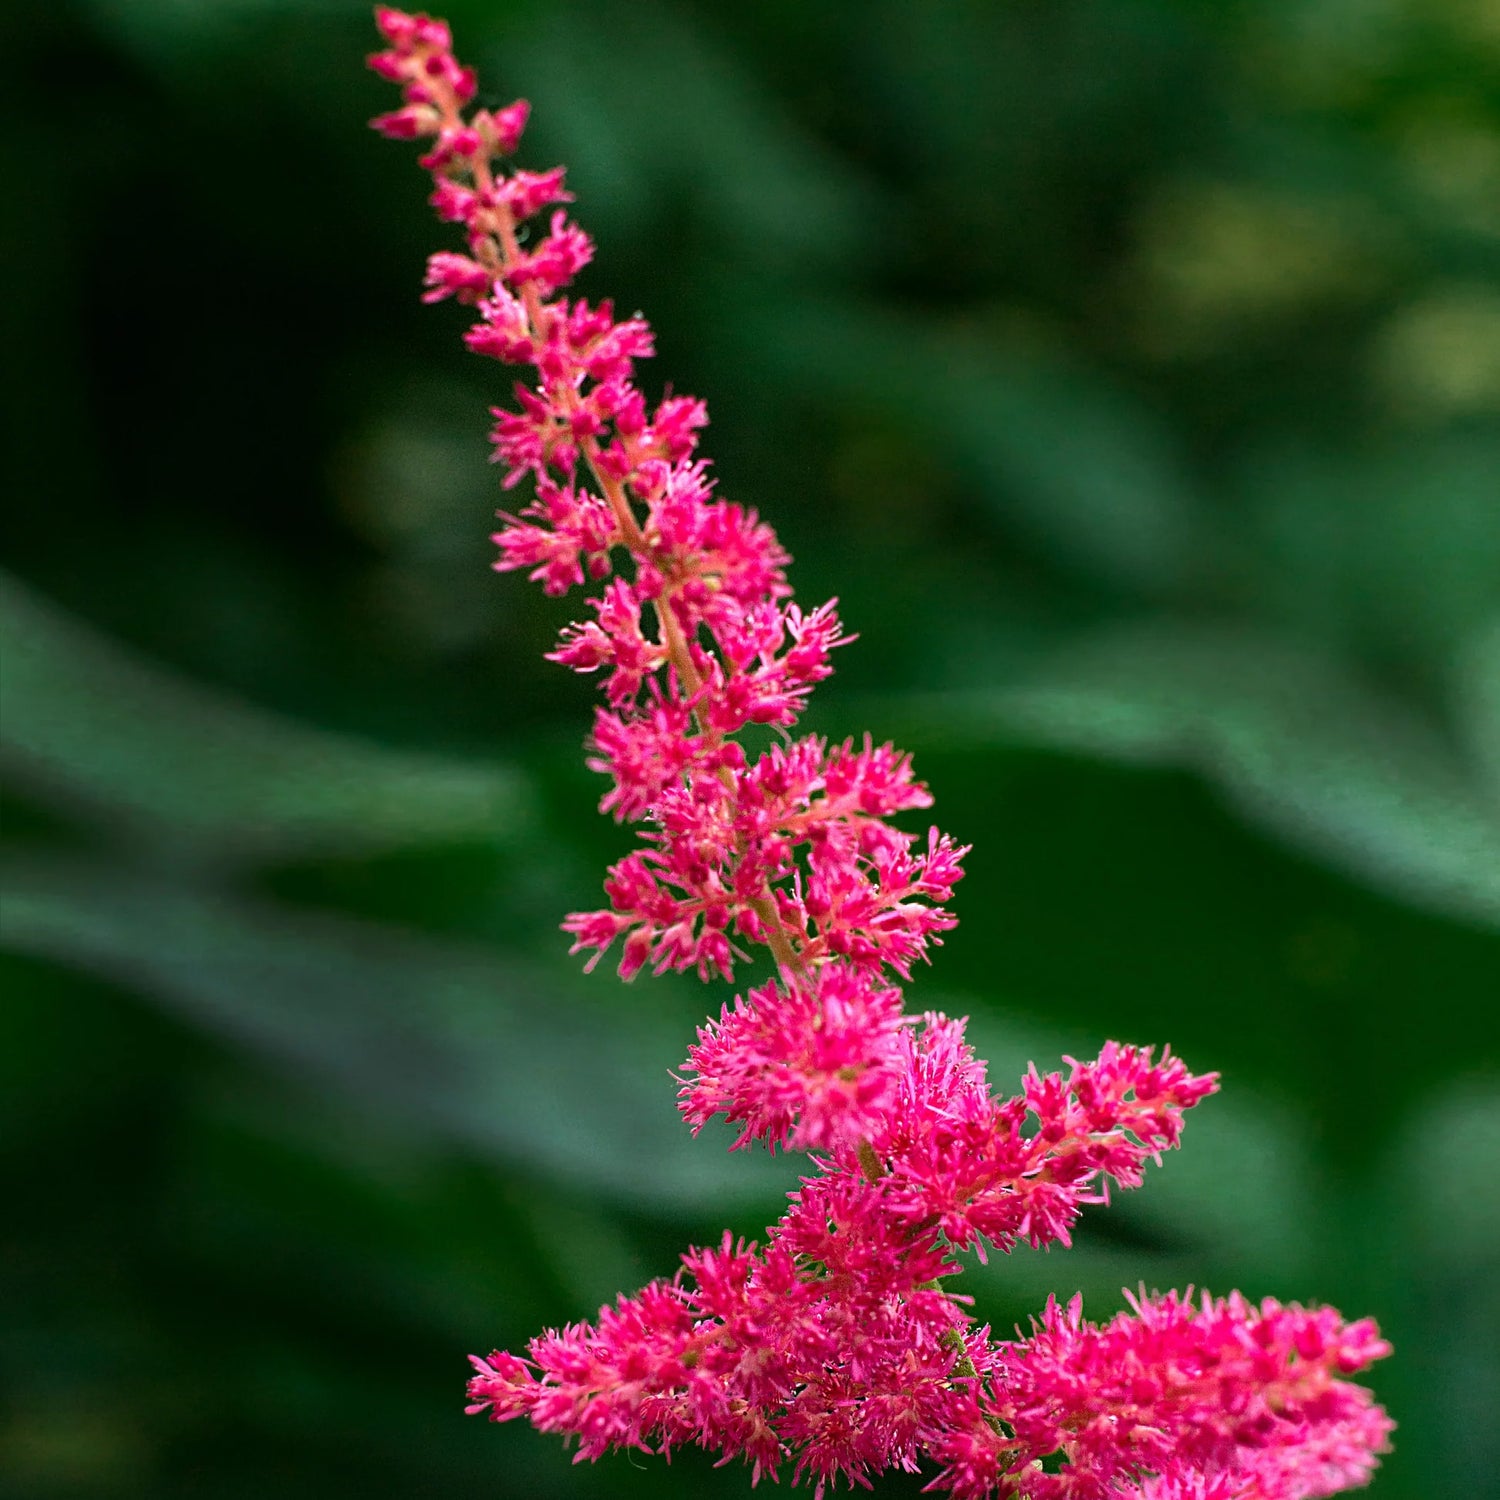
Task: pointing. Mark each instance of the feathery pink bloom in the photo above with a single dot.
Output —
(1191, 1393)
(835, 1349)
(807, 1066)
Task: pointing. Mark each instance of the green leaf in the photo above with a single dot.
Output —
(108, 737)
(498, 1055)
(1298, 744)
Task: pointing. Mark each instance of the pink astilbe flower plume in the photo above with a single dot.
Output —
(833, 1349)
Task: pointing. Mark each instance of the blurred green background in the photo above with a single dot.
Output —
(1130, 369)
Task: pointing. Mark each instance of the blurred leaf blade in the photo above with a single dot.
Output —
(486, 1051)
(104, 735)
(1297, 743)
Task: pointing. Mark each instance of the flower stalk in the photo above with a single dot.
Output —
(834, 1348)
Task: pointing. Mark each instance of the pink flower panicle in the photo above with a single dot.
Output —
(834, 1348)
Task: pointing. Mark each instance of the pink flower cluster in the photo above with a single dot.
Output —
(853, 1370)
(835, 1348)
(1217, 1400)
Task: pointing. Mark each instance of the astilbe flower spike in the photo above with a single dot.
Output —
(832, 1349)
